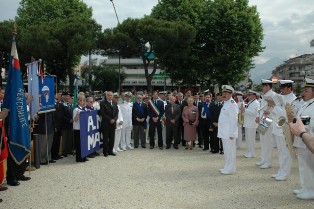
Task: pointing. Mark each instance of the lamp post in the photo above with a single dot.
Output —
(119, 79)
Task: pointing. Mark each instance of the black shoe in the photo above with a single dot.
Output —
(221, 152)
(205, 149)
(45, 163)
(112, 154)
(13, 183)
(200, 146)
(168, 147)
(91, 156)
(24, 178)
(135, 146)
(215, 152)
(96, 154)
(3, 188)
(151, 147)
(143, 146)
(161, 148)
(60, 157)
(52, 161)
(175, 146)
(65, 155)
(106, 154)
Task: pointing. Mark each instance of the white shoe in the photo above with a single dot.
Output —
(265, 166)
(275, 175)
(259, 163)
(281, 178)
(298, 191)
(123, 149)
(226, 173)
(248, 156)
(119, 150)
(220, 170)
(130, 148)
(306, 195)
(114, 151)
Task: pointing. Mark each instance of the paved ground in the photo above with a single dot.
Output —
(148, 179)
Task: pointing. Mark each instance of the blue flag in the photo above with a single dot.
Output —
(33, 88)
(15, 101)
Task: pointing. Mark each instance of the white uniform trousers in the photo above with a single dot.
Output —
(239, 139)
(117, 138)
(229, 155)
(283, 156)
(267, 146)
(250, 137)
(306, 170)
(126, 137)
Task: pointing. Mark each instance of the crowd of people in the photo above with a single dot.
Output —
(213, 122)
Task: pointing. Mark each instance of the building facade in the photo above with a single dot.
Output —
(296, 68)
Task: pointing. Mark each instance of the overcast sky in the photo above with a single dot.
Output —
(288, 24)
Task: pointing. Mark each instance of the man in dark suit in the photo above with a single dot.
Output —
(205, 120)
(109, 113)
(155, 112)
(215, 142)
(172, 113)
(139, 115)
(198, 104)
(67, 125)
(182, 102)
(58, 122)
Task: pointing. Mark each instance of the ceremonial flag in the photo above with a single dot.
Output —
(33, 88)
(15, 101)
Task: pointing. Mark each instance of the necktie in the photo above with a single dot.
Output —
(171, 108)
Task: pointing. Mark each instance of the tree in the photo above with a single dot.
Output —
(107, 77)
(153, 40)
(59, 31)
(229, 35)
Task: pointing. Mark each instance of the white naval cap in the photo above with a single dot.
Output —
(207, 90)
(265, 81)
(239, 93)
(162, 92)
(308, 83)
(286, 83)
(227, 88)
(252, 92)
(116, 95)
(127, 94)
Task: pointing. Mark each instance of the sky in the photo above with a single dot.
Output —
(288, 24)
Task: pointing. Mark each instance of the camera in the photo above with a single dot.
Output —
(305, 120)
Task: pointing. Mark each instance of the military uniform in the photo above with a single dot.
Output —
(283, 152)
(228, 132)
(126, 110)
(250, 114)
(305, 156)
(266, 139)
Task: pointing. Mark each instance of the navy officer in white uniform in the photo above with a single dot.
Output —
(228, 129)
(250, 112)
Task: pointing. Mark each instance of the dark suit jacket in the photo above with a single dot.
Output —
(67, 116)
(137, 114)
(172, 115)
(108, 113)
(215, 111)
(42, 123)
(151, 113)
(182, 105)
(58, 115)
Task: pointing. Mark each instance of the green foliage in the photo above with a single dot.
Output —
(167, 40)
(58, 31)
(229, 35)
(105, 77)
